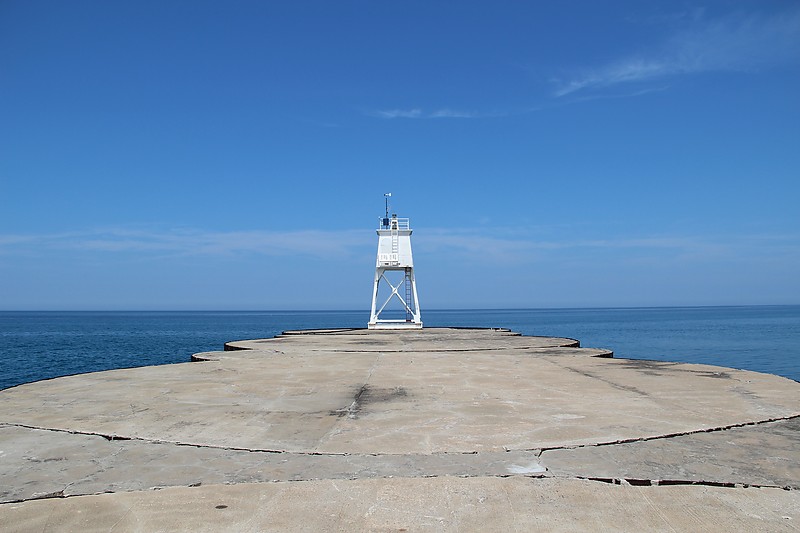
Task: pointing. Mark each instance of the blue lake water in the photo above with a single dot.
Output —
(42, 345)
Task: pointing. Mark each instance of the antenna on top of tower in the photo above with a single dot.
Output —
(386, 216)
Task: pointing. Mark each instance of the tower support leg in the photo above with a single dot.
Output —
(410, 303)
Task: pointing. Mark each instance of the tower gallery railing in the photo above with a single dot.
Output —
(402, 223)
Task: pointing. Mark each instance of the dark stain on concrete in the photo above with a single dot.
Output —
(366, 395)
(661, 368)
(370, 395)
(650, 368)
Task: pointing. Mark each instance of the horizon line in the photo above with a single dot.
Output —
(366, 311)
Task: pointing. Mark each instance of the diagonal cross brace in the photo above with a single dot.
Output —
(394, 293)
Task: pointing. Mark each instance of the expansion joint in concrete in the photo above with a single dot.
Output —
(638, 482)
(670, 435)
(445, 350)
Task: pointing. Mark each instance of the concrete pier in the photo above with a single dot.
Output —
(433, 429)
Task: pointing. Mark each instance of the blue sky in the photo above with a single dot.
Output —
(234, 155)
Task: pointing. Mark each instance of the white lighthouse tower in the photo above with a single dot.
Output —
(394, 277)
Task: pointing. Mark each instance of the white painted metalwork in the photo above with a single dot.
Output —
(394, 275)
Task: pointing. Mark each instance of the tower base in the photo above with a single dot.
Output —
(394, 324)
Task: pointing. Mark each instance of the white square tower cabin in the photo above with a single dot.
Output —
(394, 275)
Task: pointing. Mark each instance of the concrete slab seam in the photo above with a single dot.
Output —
(540, 450)
(669, 435)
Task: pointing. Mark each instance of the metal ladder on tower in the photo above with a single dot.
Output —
(395, 245)
(409, 295)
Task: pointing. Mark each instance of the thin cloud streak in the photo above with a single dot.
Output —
(397, 113)
(480, 247)
(473, 245)
(734, 43)
(193, 242)
(630, 70)
(417, 113)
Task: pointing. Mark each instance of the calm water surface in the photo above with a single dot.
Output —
(42, 345)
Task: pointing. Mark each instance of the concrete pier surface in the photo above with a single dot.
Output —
(436, 429)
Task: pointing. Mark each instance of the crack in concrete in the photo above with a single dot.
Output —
(364, 389)
(634, 482)
(626, 388)
(465, 470)
(351, 411)
(454, 350)
(643, 482)
(669, 435)
(57, 494)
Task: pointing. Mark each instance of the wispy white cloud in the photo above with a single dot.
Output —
(738, 42)
(452, 113)
(625, 71)
(327, 244)
(397, 113)
(487, 247)
(420, 114)
(478, 245)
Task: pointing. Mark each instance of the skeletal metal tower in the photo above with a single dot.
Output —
(394, 276)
